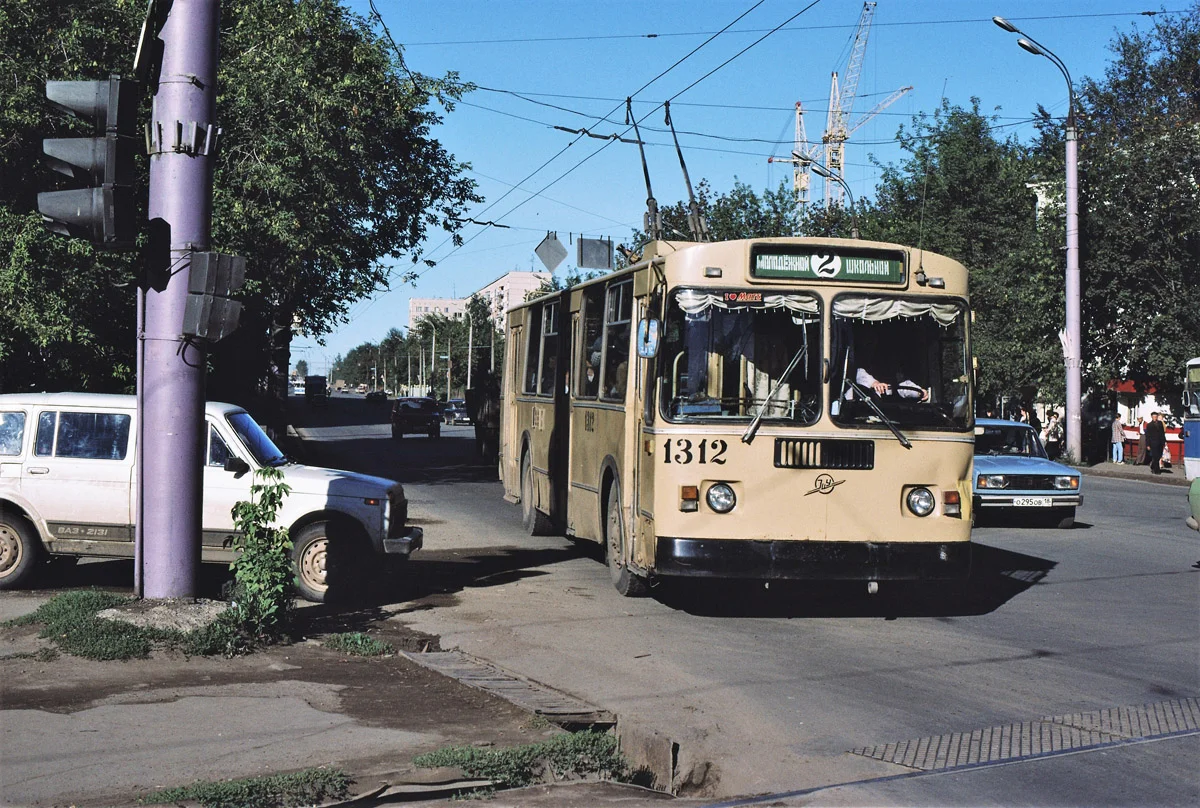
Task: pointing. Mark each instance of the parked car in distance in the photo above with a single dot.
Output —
(455, 412)
(68, 489)
(413, 414)
(377, 397)
(1193, 519)
(1013, 475)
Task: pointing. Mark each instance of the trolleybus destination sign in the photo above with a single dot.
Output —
(882, 267)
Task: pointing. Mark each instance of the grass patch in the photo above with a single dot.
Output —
(70, 621)
(308, 787)
(358, 644)
(568, 756)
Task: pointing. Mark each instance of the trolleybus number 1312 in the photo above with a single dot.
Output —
(680, 451)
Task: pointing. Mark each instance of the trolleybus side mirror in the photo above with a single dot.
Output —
(647, 338)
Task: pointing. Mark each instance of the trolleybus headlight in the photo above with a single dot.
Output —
(920, 501)
(993, 481)
(1066, 483)
(720, 498)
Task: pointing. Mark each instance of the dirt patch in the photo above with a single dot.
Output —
(388, 692)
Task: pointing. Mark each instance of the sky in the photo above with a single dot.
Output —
(733, 85)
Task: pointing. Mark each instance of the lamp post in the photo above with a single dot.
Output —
(1072, 344)
(822, 171)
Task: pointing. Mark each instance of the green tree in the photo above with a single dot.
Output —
(68, 317)
(740, 213)
(963, 193)
(327, 174)
(301, 368)
(1140, 206)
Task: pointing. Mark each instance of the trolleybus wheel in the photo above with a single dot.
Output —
(626, 582)
(536, 522)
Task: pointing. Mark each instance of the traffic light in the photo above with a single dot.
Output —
(104, 213)
(209, 314)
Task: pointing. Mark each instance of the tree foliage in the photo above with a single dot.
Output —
(964, 193)
(327, 174)
(1140, 206)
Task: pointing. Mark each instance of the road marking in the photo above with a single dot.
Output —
(1008, 744)
(1049, 735)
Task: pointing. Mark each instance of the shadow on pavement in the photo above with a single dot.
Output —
(997, 576)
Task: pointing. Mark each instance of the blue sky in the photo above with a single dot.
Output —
(571, 63)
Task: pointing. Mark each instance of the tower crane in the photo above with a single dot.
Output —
(803, 153)
(838, 126)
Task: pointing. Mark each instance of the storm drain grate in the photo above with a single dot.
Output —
(554, 705)
(1044, 736)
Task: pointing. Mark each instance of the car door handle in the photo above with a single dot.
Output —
(38, 470)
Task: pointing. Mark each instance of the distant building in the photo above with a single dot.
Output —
(419, 307)
(509, 290)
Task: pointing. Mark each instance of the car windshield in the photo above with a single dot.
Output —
(261, 447)
(899, 362)
(414, 405)
(730, 355)
(1017, 440)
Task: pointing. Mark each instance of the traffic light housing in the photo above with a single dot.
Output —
(104, 213)
(209, 314)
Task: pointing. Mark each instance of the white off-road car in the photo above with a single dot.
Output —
(68, 488)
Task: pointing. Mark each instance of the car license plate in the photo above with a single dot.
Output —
(1032, 502)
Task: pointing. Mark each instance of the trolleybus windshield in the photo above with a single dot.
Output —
(732, 355)
(899, 362)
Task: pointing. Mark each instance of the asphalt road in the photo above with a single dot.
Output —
(1064, 673)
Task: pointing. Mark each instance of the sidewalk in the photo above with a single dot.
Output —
(1128, 471)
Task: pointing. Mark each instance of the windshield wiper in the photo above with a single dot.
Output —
(748, 435)
(905, 442)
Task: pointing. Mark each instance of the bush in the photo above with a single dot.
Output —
(308, 787)
(358, 644)
(579, 754)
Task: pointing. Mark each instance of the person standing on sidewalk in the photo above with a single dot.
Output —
(1156, 440)
(1118, 440)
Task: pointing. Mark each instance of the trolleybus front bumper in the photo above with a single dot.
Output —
(811, 560)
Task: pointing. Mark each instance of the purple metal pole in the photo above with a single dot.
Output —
(1074, 344)
(181, 168)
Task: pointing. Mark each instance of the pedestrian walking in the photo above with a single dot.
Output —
(1118, 440)
(1156, 441)
(1052, 436)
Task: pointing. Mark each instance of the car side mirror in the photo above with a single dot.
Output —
(236, 465)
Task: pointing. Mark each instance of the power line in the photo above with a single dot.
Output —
(607, 37)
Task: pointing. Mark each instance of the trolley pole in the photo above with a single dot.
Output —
(182, 136)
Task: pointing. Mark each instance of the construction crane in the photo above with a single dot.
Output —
(803, 153)
(838, 127)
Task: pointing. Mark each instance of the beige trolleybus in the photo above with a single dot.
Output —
(762, 409)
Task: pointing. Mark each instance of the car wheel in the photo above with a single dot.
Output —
(626, 582)
(536, 522)
(20, 550)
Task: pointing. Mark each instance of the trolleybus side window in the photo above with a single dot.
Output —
(549, 364)
(593, 342)
(899, 361)
(617, 332)
(735, 354)
(535, 343)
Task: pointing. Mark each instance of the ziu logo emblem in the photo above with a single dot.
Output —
(825, 484)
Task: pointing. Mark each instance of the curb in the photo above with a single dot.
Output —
(1122, 473)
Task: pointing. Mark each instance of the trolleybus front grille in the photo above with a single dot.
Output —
(824, 453)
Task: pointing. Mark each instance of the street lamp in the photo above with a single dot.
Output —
(1072, 344)
(822, 171)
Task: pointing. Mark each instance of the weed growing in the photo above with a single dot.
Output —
(576, 755)
(358, 644)
(308, 787)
